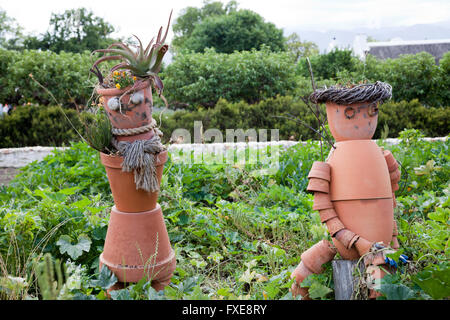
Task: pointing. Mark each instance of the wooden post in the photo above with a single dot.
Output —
(345, 278)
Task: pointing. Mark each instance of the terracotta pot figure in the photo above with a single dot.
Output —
(137, 244)
(354, 188)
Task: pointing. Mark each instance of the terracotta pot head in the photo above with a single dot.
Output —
(356, 121)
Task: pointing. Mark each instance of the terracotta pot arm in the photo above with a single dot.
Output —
(393, 168)
(395, 244)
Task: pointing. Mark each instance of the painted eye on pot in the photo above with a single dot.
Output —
(373, 110)
(349, 112)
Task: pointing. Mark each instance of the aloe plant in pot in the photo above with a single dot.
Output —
(131, 105)
(137, 243)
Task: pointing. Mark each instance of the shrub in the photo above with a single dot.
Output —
(280, 112)
(194, 79)
(444, 79)
(412, 76)
(39, 126)
(66, 75)
(433, 122)
(241, 115)
(328, 66)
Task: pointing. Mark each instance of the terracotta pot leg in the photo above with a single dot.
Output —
(374, 275)
(312, 261)
(300, 273)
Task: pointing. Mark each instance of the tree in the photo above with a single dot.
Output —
(75, 30)
(191, 16)
(10, 31)
(238, 30)
(201, 79)
(300, 48)
(329, 65)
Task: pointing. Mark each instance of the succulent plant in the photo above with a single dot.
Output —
(144, 64)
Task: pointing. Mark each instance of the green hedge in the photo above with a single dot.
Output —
(47, 125)
(201, 79)
(66, 75)
(241, 115)
(39, 126)
(194, 79)
(265, 115)
(412, 76)
(432, 122)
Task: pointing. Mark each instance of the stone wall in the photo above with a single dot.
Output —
(6, 174)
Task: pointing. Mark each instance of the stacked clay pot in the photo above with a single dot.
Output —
(137, 244)
(360, 185)
(354, 195)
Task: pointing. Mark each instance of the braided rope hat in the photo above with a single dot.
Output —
(376, 92)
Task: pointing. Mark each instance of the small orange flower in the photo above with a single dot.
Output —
(134, 78)
(116, 73)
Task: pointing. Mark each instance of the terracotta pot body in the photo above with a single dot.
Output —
(131, 115)
(123, 188)
(360, 125)
(137, 245)
(361, 193)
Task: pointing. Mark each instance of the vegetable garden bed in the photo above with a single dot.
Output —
(238, 231)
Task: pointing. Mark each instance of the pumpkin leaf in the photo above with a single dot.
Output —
(396, 291)
(74, 250)
(434, 282)
(106, 279)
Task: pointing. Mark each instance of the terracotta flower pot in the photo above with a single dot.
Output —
(137, 245)
(130, 115)
(312, 261)
(320, 170)
(358, 171)
(123, 188)
(390, 161)
(318, 185)
(299, 274)
(322, 201)
(351, 122)
(317, 255)
(360, 190)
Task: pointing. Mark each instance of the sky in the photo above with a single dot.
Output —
(145, 17)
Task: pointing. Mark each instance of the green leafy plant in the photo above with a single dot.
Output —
(142, 63)
(98, 130)
(74, 250)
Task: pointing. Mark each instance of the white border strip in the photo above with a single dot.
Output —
(20, 157)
